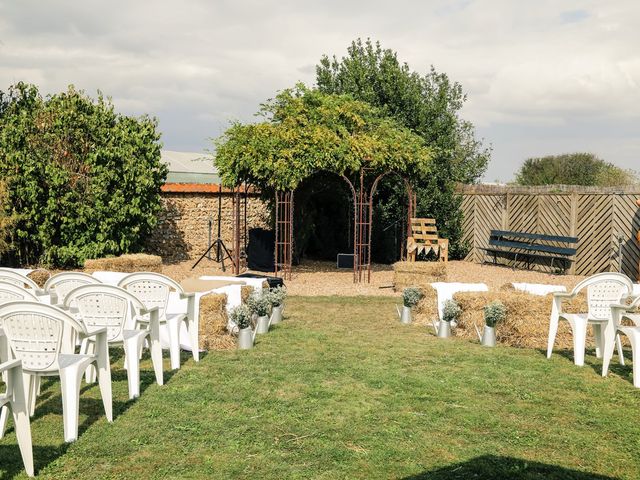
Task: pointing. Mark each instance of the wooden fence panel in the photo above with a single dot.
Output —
(605, 220)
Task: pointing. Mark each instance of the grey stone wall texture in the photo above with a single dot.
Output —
(182, 232)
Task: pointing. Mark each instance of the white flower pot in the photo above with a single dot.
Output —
(444, 329)
(276, 315)
(405, 316)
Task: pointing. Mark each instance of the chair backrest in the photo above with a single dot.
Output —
(62, 283)
(10, 293)
(152, 289)
(36, 333)
(104, 306)
(9, 276)
(603, 289)
(424, 230)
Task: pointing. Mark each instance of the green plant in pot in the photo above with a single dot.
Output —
(241, 316)
(494, 313)
(276, 297)
(450, 314)
(260, 305)
(411, 296)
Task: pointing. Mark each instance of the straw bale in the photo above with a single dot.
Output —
(40, 276)
(138, 262)
(527, 321)
(212, 328)
(245, 292)
(427, 308)
(417, 274)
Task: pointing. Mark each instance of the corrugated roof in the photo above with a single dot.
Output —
(190, 167)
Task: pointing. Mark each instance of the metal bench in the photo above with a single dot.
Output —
(527, 247)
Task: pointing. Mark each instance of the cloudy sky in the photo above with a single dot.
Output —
(542, 76)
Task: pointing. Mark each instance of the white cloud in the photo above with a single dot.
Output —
(531, 66)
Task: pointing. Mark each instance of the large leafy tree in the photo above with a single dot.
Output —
(83, 181)
(429, 105)
(573, 169)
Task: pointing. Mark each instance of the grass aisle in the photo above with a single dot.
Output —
(342, 390)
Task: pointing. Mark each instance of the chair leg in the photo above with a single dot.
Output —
(132, 347)
(104, 376)
(89, 348)
(70, 379)
(173, 325)
(579, 330)
(192, 325)
(619, 348)
(4, 414)
(29, 382)
(597, 334)
(635, 358)
(553, 328)
(609, 343)
(156, 352)
(21, 421)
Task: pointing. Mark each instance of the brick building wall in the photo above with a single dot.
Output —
(182, 232)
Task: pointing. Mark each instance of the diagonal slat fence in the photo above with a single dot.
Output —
(605, 220)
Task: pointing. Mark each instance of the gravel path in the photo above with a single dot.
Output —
(322, 278)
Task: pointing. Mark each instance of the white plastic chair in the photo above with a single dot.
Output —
(43, 338)
(603, 290)
(120, 313)
(13, 399)
(59, 285)
(620, 313)
(153, 290)
(9, 276)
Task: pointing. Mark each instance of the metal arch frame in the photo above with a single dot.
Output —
(362, 226)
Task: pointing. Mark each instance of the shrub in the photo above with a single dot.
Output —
(6, 219)
(83, 180)
(259, 304)
(494, 313)
(411, 296)
(451, 311)
(277, 295)
(241, 316)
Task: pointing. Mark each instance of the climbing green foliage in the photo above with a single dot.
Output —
(305, 131)
(83, 181)
(428, 105)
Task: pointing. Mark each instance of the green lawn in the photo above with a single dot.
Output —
(342, 390)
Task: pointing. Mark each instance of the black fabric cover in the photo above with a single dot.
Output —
(260, 250)
(272, 281)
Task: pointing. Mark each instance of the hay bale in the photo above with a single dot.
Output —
(245, 293)
(418, 274)
(212, 329)
(138, 262)
(40, 276)
(427, 308)
(527, 322)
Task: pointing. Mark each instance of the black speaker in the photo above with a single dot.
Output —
(260, 250)
(345, 260)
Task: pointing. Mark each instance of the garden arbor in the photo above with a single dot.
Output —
(307, 132)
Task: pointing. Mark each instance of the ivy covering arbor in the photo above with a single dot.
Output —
(305, 131)
(82, 180)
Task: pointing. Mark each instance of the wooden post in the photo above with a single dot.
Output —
(573, 226)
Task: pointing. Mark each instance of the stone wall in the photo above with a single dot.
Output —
(182, 232)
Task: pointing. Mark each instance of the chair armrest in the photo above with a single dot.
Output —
(9, 365)
(191, 303)
(98, 332)
(188, 295)
(564, 295)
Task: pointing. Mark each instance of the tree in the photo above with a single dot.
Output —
(82, 180)
(6, 220)
(429, 105)
(573, 169)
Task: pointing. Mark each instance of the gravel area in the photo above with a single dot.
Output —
(323, 278)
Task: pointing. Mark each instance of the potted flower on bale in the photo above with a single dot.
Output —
(241, 316)
(494, 313)
(410, 298)
(450, 313)
(276, 297)
(259, 304)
